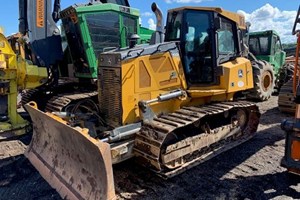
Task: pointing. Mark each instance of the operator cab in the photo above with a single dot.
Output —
(266, 45)
(93, 29)
(207, 40)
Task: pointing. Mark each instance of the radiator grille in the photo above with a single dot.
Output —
(110, 96)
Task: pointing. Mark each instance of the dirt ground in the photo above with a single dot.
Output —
(249, 171)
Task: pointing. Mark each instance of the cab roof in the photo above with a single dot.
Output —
(237, 18)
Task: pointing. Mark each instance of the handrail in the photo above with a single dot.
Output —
(297, 20)
(296, 69)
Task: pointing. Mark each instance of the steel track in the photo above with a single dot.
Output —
(194, 142)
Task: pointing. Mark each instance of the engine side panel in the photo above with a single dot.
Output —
(237, 75)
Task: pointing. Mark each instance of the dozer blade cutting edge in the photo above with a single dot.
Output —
(59, 152)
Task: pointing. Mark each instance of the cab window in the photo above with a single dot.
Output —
(226, 41)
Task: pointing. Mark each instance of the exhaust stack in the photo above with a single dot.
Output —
(23, 22)
(56, 10)
(158, 36)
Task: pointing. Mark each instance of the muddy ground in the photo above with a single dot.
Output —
(249, 171)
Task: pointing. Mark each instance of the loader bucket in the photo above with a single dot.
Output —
(75, 164)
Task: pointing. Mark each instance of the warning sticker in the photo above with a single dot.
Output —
(40, 13)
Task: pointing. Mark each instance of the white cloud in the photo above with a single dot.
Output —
(152, 24)
(147, 14)
(184, 1)
(140, 21)
(268, 17)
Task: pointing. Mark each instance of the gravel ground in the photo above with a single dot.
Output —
(249, 171)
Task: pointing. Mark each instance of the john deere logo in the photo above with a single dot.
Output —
(240, 73)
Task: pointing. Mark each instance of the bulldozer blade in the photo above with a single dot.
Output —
(75, 164)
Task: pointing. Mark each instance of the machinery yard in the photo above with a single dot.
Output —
(249, 171)
(101, 107)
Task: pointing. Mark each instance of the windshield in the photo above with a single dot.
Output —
(76, 46)
(173, 26)
(197, 47)
(195, 36)
(130, 26)
(104, 30)
(226, 44)
(259, 45)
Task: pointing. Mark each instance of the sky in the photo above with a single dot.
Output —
(262, 14)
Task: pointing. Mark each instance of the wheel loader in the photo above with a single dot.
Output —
(170, 104)
(291, 159)
(266, 45)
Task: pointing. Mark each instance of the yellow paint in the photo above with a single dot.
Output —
(20, 75)
(235, 73)
(17, 43)
(5, 126)
(163, 67)
(204, 93)
(163, 72)
(160, 67)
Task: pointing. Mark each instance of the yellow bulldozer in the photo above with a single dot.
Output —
(171, 104)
